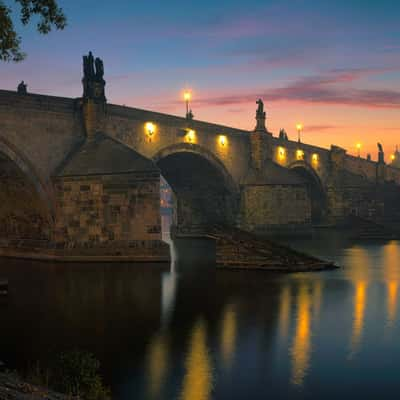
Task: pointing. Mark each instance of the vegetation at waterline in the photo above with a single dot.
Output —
(75, 373)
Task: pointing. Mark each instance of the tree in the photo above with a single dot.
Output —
(50, 16)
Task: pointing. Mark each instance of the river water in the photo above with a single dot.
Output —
(198, 334)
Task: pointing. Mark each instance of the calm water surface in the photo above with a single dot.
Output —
(204, 335)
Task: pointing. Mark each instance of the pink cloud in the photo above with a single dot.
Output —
(320, 89)
(319, 128)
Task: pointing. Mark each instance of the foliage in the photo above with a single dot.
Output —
(38, 376)
(76, 374)
(49, 14)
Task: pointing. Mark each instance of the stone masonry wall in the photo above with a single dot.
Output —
(270, 208)
(107, 210)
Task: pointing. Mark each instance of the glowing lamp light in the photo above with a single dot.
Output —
(222, 140)
(150, 130)
(190, 136)
(299, 128)
(281, 153)
(187, 95)
(315, 158)
(300, 154)
(392, 157)
(359, 145)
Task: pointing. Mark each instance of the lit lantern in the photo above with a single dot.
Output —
(222, 140)
(315, 158)
(300, 154)
(191, 136)
(281, 153)
(150, 130)
(392, 157)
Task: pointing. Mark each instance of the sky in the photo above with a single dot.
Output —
(334, 66)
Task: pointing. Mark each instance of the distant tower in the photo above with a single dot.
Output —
(396, 158)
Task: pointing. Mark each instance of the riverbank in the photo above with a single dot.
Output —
(13, 388)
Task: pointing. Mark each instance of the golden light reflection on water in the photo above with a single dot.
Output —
(392, 296)
(197, 382)
(228, 335)
(284, 312)
(391, 255)
(360, 296)
(358, 271)
(157, 365)
(301, 347)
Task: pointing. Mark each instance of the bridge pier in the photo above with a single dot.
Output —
(111, 210)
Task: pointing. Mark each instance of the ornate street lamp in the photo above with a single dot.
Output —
(299, 128)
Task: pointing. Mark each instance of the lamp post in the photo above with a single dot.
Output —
(359, 145)
(299, 128)
(187, 97)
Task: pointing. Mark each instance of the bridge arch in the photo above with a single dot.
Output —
(206, 194)
(315, 189)
(26, 206)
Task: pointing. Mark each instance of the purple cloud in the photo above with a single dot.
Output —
(319, 89)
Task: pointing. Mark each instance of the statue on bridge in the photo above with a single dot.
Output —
(381, 154)
(99, 68)
(93, 78)
(22, 88)
(283, 135)
(260, 117)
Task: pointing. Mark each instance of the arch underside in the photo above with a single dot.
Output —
(204, 195)
(315, 191)
(23, 213)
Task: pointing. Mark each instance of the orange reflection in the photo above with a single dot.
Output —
(197, 382)
(228, 335)
(284, 312)
(157, 366)
(391, 278)
(358, 272)
(302, 342)
(359, 313)
(392, 293)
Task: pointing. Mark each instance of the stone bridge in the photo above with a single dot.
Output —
(80, 178)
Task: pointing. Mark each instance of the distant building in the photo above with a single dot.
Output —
(396, 158)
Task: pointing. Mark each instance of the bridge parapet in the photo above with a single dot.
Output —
(43, 129)
(288, 153)
(150, 133)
